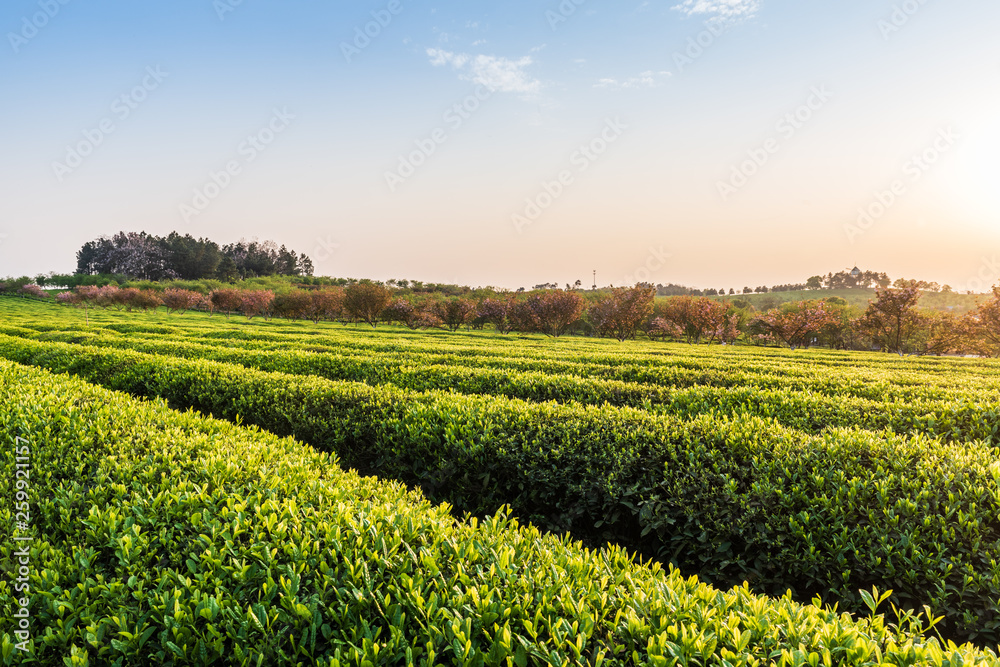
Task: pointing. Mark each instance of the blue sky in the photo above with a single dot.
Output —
(716, 143)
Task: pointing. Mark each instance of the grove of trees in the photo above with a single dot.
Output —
(142, 256)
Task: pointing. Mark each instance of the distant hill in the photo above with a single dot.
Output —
(859, 297)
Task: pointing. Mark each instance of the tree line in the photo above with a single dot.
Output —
(142, 256)
(139, 257)
(855, 279)
(891, 322)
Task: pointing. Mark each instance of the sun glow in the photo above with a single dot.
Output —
(974, 174)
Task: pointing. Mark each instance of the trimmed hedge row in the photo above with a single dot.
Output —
(873, 377)
(729, 499)
(717, 372)
(162, 538)
(961, 420)
(579, 350)
(858, 375)
(590, 354)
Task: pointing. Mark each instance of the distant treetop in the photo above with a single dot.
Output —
(142, 256)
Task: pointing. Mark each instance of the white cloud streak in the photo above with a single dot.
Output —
(499, 74)
(648, 79)
(727, 10)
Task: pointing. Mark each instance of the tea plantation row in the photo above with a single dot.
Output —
(964, 416)
(175, 539)
(732, 499)
(591, 352)
(867, 377)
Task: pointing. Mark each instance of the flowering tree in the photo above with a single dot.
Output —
(325, 304)
(552, 312)
(82, 296)
(693, 319)
(940, 333)
(497, 313)
(796, 324)
(106, 296)
(981, 327)
(713, 322)
(13, 286)
(404, 312)
(180, 300)
(661, 328)
(454, 312)
(892, 319)
(126, 298)
(523, 315)
(619, 315)
(206, 303)
(136, 255)
(365, 301)
(725, 329)
(292, 305)
(67, 299)
(226, 300)
(146, 300)
(256, 302)
(842, 332)
(33, 291)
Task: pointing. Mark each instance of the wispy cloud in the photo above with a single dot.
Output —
(727, 10)
(440, 57)
(501, 74)
(647, 79)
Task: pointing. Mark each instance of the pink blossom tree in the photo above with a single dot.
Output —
(498, 313)
(80, 297)
(292, 305)
(796, 324)
(105, 297)
(145, 300)
(454, 312)
(180, 300)
(256, 302)
(620, 315)
(326, 304)
(365, 301)
(693, 319)
(226, 300)
(34, 291)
